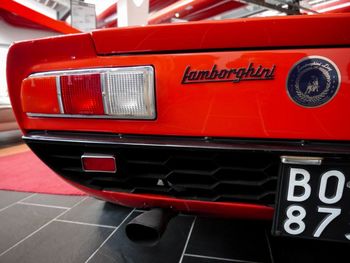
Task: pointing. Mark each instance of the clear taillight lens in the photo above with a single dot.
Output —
(129, 93)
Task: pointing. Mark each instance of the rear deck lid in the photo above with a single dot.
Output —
(249, 33)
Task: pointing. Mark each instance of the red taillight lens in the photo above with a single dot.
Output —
(98, 163)
(39, 95)
(81, 94)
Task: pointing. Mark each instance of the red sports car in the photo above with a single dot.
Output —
(244, 118)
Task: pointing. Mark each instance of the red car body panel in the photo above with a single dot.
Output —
(242, 34)
(246, 109)
(218, 209)
(233, 111)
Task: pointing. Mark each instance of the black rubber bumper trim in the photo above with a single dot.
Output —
(285, 146)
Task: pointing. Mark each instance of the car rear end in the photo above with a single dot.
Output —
(210, 117)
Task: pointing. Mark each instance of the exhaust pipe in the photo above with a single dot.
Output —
(147, 228)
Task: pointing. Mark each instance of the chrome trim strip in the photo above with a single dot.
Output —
(302, 160)
(192, 143)
(104, 93)
(59, 94)
(151, 92)
(90, 71)
(70, 116)
(87, 155)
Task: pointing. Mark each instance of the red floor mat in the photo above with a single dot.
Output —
(24, 172)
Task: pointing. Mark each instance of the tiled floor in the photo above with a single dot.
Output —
(48, 228)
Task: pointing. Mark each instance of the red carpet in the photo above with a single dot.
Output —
(24, 172)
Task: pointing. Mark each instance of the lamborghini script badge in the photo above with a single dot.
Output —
(313, 81)
(251, 72)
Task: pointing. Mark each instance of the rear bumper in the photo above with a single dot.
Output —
(217, 209)
(212, 176)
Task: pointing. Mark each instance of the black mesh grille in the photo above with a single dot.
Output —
(197, 174)
(189, 168)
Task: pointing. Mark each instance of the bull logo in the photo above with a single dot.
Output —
(312, 86)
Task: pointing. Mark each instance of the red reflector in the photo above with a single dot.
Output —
(81, 94)
(98, 163)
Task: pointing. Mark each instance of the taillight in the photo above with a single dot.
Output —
(130, 93)
(125, 93)
(81, 94)
(39, 95)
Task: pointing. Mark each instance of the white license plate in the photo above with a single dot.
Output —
(313, 201)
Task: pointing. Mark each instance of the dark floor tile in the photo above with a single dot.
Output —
(54, 200)
(188, 259)
(19, 221)
(9, 197)
(169, 249)
(59, 242)
(232, 239)
(287, 250)
(95, 211)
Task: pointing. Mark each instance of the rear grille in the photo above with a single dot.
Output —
(208, 175)
(198, 169)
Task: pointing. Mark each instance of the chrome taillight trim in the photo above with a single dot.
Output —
(79, 116)
(103, 73)
(59, 94)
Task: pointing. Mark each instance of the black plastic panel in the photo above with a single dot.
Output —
(232, 174)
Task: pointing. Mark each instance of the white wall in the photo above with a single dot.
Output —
(9, 34)
(132, 13)
(101, 5)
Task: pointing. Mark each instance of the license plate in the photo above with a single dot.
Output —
(313, 201)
